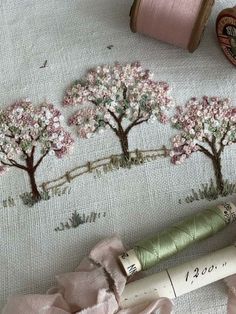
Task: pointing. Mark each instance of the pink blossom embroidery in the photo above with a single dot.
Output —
(117, 98)
(207, 126)
(23, 129)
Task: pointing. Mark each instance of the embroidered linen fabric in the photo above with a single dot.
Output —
(135, 203)
(95, 287)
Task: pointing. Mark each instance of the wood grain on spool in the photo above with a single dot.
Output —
(134, 15)
(200, 24)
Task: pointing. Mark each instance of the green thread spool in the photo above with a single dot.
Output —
(152, 251)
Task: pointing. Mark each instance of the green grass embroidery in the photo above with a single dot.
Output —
(210, 192)
(117, 163)
(29, 200)
(77, 219)
(74, 222)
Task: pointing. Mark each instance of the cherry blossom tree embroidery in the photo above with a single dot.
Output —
(118, 98)
(207, 126)
(27, 135)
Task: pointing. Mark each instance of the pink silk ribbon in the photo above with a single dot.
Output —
(94, 288)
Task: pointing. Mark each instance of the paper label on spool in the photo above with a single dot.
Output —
(181, 279)
(130, 263)
(229, 212)
(226, 30)
(147, 290)
(196, 274)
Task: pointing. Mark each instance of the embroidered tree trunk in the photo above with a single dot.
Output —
(18, 149)
(207, 125)
(118, 97)
(31, 169)
(34, 189)
(215, 155)
(124, 144)
(123, 133)
(218, 173)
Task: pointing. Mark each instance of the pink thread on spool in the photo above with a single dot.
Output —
(178, 22)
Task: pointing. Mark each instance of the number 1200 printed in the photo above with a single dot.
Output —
(200, 272)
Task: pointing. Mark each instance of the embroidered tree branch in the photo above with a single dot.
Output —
(206, 126)
(27, 135)
(118, 98)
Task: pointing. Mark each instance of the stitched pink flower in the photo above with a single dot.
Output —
(28, 134)
(118, 98)
(207, 125)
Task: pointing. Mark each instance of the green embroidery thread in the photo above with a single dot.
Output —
(78, 219)
(211, 192)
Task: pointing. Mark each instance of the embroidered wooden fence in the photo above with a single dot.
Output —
(106, 164)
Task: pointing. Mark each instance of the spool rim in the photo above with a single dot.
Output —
(229, 12)
(200, 24)
(226, 13)
(133, 15)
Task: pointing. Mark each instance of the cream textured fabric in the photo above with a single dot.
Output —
(73, 36)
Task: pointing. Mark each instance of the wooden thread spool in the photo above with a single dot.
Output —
(197, 27)
(226, 32)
